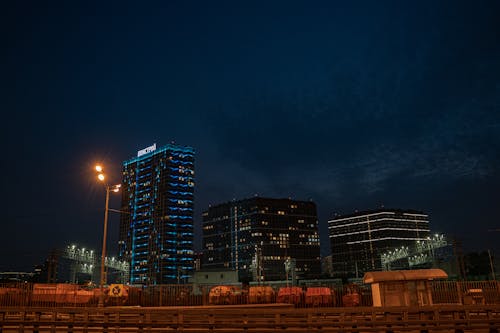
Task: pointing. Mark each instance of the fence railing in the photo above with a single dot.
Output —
(70, 295)
(466, 292)
(261, 319)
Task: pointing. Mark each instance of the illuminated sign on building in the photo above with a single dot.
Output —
(146, 150)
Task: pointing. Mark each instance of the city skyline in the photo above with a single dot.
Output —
(355, 106)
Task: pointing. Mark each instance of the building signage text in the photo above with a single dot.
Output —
(146, 150)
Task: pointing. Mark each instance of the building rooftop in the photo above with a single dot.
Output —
(409, 275)
(377, 211)
(259, 198)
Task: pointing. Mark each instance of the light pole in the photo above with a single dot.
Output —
(114, 188)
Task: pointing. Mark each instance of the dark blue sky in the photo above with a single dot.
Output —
(351, 104)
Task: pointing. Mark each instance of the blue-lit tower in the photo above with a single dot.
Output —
(156, 228)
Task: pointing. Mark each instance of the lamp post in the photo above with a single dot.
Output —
(114, 188)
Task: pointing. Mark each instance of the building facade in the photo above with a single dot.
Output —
(359, 240)
(156, 228)
(257, 236)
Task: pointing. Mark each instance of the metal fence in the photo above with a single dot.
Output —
(260, 319)
(466, 292)
(271, 318)
(71, 295)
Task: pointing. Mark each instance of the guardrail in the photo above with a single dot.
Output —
(261, 319)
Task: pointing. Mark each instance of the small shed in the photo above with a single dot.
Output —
(203, 280)
(403, 288)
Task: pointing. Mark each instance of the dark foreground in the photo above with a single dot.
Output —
(261, 319)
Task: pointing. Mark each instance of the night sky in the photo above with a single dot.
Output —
(353, 105)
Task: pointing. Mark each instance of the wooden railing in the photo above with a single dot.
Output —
(261, 319)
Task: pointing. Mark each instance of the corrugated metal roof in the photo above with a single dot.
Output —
(410, 275)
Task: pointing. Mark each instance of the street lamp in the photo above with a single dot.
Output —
(114, 188)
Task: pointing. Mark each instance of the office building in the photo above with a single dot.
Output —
(257, 236)
(358, 240)
(156, 228)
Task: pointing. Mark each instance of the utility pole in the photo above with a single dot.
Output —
(491, 266)
(491, 261)
(459, 256)
(52, 262)
(257, 264)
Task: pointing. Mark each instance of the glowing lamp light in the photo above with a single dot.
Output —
(109, 188)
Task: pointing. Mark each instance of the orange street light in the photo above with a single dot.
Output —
(114, 188)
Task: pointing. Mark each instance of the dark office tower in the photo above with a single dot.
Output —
(256, 236)
(358, 240)
(156, 230)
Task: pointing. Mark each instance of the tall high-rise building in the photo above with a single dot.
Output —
(156, 228)
(257, 236)
(358, 240)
